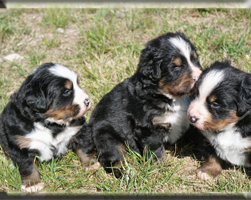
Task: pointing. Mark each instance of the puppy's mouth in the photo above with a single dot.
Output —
(80, 114)
(192, 87)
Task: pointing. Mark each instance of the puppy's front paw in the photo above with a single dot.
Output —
(96, 165)
(33, 188)
(203, 175)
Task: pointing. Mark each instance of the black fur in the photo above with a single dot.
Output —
(39, 92)
(124, 116)
(233, 101)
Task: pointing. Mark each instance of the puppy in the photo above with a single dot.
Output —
(42, 119)
(149, 108)
(220, 108)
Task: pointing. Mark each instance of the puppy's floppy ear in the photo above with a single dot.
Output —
(244, 101)
(149, 64)
(31, 95)
(36, 100)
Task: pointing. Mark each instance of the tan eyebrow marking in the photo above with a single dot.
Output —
(68, 85)
(177, 61)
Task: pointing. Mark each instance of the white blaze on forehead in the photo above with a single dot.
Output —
(79, 95)
(185, 49)
(209, 82)
(182, 45)
(61, 71)
(198, 107)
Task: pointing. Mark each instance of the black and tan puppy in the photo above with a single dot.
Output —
(221, 109)
(43, 119)
(149, 108)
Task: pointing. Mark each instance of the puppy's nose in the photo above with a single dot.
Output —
(193, 119)
(87, 102)
(196, 74)
(195, 78)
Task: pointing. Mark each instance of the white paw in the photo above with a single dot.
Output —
(92, 167)
(203, 175)
(34, 188)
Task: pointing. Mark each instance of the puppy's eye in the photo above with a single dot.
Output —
(67, 93)
(215, 105)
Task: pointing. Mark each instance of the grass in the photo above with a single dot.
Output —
(103, 46)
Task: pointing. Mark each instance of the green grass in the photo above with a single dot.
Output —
(56, 17)
(103, 46)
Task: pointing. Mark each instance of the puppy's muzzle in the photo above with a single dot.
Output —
(192, 119)
(87, 102)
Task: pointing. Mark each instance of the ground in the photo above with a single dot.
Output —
(103, 47)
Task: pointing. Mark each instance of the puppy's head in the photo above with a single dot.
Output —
(53, 91)
(171, 62)
(222, 97)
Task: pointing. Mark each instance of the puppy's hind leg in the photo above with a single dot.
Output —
(212, 164)
(87, 160)
(110, 152)
(210, 168)
(153, 145)
(83, 145)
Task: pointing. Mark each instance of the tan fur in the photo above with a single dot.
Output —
(177, 61)
(158, 122)
(68, 85)
(22, 142)
(195, 55)
(212, 166)
(212, 98)
(183, 83)
(62, 113)
(211, 124)
(31, 179)
(84, 158)
(118, 171)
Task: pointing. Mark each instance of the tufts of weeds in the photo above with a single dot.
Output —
(7, 26)
(10, 179)
(50, 43)
(36, 57)
(56, 17)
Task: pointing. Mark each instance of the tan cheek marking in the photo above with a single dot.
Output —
(22, 142)
(211, 124)
(182, 84)
(68, 85)
(63, 113)
(177, 61)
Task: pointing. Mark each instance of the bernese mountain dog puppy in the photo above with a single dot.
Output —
(43, 119)
(220, 109)
(149, 108)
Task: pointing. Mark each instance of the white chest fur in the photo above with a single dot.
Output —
(230, 145)
(176, 117)
(43, 141)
